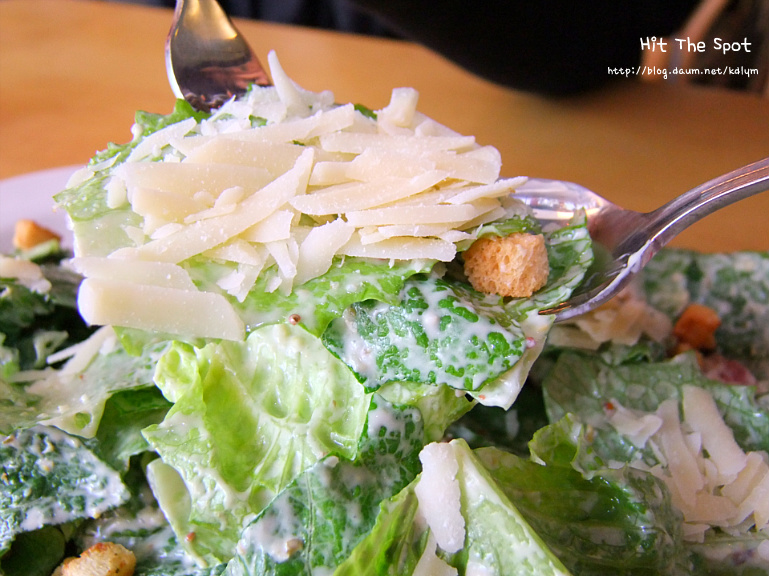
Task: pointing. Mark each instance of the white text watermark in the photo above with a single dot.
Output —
(665, 72)
(655, 44)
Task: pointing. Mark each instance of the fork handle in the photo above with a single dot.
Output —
(672, 218)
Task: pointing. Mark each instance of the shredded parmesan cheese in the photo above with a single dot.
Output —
(439, 496)
(622, 320)
(313, 182)
(712, 480)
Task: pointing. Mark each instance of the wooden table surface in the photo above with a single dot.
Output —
(73, 72)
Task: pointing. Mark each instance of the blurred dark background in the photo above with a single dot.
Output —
(552, 47)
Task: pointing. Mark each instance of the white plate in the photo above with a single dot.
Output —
(30, 196)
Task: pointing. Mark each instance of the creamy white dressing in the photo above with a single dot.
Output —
(504, 390)
(275, 534)
(98, 487)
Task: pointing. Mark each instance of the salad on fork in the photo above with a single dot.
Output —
(299, 337)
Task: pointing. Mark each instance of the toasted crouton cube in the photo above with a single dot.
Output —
(696, 327)
(28, 234)
(102, 559)
(514, 265)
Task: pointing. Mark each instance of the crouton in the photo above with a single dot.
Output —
(696, 328)
(102, 559)
(514, 265)
(28, 234)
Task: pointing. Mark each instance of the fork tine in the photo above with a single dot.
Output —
(207, 59)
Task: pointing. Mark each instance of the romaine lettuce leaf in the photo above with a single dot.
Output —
(614, 521)
(581, 384)
(395, 543)
(35, 324)
(126, 414)
(140, 526)
(87, 200)
(317, 302)
(248, 418)
(439, 405)
(50, 477)
(499, 539)
(319, 519)
(581, 387)
(443, 332)
(73, 398)
(35, 553)
(439, 332)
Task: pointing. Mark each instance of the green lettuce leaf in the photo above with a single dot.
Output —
(321, 517)
(439, 405)
(48, 478)
(35, 324)
(126, 414)
(616, 521)
(578, 390)
(248, 418)
(140, 526)
(395, 543)
(87, 200)
(73, 399)
(581, 384)
(35, 553)
(443, 332)
(316, 303)
(499, 539)
(439, 332)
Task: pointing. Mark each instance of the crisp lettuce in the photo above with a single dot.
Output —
(247, 419)
(498, 539)
(441, 331)
(49, 478)
(74, 400)
(611, 521)
(395, 543)
(317, 302)
(86, 201)
(587, 448)
(34, 324)
(327, 511)
(582, 384)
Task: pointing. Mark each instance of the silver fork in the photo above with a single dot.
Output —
(207, 59)
(624, 241)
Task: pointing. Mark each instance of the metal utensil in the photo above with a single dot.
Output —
(625, 240)
(207, 59)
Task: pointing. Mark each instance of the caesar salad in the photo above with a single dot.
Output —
(267, 355)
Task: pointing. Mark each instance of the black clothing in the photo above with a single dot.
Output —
(555, 47)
